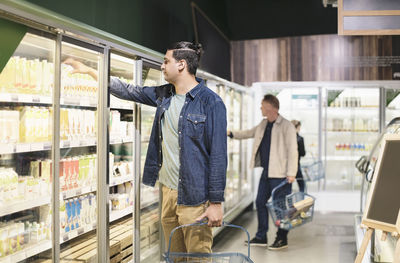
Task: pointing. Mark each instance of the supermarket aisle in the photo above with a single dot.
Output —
(329, 239)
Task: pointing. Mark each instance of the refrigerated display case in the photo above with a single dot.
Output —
(340, 123)
(26, 111)
(351, 125)
(121, 162)
(238, 191)
(86, 167)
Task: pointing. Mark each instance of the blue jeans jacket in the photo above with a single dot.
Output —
(202, 139)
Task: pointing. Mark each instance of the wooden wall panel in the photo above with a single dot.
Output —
(315, 58)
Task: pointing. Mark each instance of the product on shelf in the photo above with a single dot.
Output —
(353, 146)
(9, 126)
(77, 124)
(77, 212)
(14, 236)
(26, 76)
(76, 85)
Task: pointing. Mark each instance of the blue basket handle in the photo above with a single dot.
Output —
(204, 223)
(283, 183)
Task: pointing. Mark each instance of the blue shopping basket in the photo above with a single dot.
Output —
(291, 211)
(313, 171)
(229, 257)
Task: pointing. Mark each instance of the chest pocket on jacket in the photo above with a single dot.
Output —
(195, 125)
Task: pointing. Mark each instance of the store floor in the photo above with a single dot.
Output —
(329, 238)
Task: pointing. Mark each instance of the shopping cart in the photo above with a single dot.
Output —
(313, 171)
(231, 257)
(291, 211)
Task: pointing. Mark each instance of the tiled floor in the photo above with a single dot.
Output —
(329, 238)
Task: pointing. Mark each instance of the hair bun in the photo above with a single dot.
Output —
(199, 48)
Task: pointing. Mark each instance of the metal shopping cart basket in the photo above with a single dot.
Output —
(291, 211)
(231, 257)
(313, 171)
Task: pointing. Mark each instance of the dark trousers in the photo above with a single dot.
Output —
(265, 188)
(300, 180)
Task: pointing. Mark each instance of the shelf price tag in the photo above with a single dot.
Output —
(14, 98)
(81, 231)
(47, 146)
(35, 99)
(66, 237)
(66, 144)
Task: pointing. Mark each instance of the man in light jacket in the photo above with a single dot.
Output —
(275, 150)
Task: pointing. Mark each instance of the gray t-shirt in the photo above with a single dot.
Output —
(169, 172)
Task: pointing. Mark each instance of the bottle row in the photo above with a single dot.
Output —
(118, 128)
(75, 173)
(123, 197)
(33, 124)
(348, 124)
(76, 85)
(27, 76)
(15, 236)
(18, 188)
(77, 212)
(365, 147)
(354, 102)
(25, 124)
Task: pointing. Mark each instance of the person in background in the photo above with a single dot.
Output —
(187, 152)
(275, 150)
(302, 153)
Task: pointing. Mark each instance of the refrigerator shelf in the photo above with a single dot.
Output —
(25, 98)
(21, 205)
(79, 191)
(77, 232)
(120, 180)
(117, 214)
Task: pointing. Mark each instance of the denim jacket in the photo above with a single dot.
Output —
(202, 139)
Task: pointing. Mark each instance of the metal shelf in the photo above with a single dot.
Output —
(25, 98)
(79, 191)
(120, 140)
(117, 214)
(120, 180)
(77, 232)
(16, 206)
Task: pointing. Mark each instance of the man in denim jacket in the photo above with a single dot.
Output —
(187, 151)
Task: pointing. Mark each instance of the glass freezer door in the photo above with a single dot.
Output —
(350, 128)
(26, 85)
(149, 196)
(122, 157)
(78, 154)
(302, 104)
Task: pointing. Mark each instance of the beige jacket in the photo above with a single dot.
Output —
(283, 157)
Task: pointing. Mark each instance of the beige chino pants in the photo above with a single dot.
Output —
(196, 239)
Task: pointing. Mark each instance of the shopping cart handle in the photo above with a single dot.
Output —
(204, 223)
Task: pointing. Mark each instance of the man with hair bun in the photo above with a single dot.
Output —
(187, 152)
(275, 150)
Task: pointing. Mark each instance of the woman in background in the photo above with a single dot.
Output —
(302, 152)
